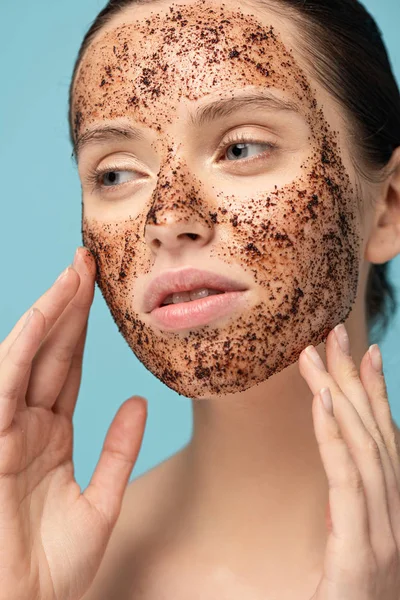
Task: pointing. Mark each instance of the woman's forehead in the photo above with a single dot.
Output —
(149, 60)
(204, 31)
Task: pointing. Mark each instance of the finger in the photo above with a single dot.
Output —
(119, 454)
(66, 401)
(52, 362)
(365, 453)
(15, 364)
(374, 383)
(373, 380)
(348, 540)
(344, 371)
(51, 305)
(366, 394)
(54, 301)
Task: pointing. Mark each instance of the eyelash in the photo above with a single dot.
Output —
(94, 175)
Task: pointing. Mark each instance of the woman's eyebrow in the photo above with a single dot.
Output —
(224, 107)
(217, 109)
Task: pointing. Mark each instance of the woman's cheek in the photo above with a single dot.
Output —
(116, 248)
(304, 233)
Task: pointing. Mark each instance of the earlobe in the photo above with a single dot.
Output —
(384, 236)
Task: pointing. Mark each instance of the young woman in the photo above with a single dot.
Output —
(240, 170)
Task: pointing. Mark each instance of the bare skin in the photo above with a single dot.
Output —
(46, 522)
(251, 476)
(239, 512)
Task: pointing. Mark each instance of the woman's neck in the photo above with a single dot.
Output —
(253, 474)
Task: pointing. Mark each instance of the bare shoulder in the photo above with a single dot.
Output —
(135, 544)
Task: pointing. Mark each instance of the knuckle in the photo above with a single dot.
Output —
(372, 448)
(392, 442)
(354, 482)
(20, 362)
(335, 439)
(9, 393)
(348, 476)
(18, 359)
(350, 371)
(62, 354)
(381, 400)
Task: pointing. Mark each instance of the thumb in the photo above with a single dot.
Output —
(118, 457)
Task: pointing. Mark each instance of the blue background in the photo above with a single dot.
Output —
(40, 224)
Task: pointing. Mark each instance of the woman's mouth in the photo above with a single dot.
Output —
(190, 313)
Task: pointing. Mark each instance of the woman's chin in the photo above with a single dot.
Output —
(215, 381)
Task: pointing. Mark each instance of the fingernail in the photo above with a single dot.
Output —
(76, 256)
(342, 338)
(28, 317)
(315, 357)
(327, 400)
(63, 274)
(376, 357)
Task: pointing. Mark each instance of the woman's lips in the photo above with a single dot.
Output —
(196, 313)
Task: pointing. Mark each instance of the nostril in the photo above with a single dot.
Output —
(193, 236)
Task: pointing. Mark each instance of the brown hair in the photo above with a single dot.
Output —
(344, 49)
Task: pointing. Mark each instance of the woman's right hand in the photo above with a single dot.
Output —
(52, 536)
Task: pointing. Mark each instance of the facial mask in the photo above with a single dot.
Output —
(296, 239)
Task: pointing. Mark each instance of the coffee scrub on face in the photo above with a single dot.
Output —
(293, 240)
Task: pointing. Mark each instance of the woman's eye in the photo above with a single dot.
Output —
(114, 177)
(241, 150)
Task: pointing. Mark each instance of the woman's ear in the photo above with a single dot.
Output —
(384, 235)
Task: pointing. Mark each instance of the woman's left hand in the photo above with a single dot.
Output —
(361, 458)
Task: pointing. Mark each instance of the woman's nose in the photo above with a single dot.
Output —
(180, 215)
(175, 235)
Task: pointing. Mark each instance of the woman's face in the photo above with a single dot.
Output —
(265, 184)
